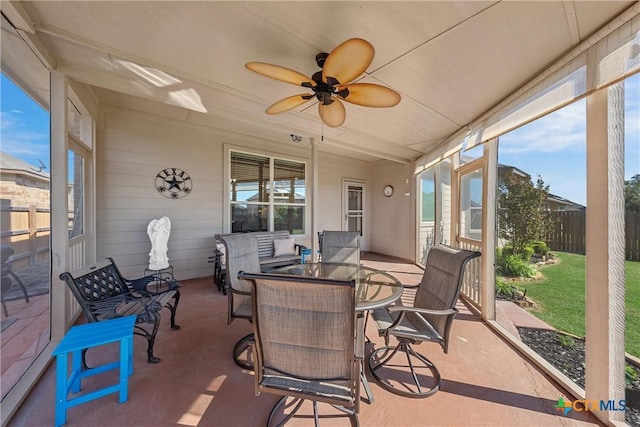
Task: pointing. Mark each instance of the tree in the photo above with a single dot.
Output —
(521, 217)
(632, 194)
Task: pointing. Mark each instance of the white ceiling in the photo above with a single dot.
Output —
(451, 60)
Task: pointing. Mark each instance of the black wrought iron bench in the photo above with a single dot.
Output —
(103, 293)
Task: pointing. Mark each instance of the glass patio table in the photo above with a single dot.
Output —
(374, 289)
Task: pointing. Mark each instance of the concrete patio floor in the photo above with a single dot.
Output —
(485, 381)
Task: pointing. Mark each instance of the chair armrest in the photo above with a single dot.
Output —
(359, 336)
(401, 308)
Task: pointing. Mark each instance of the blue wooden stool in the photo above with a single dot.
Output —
(83, 337)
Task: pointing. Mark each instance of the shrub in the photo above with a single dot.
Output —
(507, 290)
(539, 247)
(503, 288)
(514, 266)
(525, 254)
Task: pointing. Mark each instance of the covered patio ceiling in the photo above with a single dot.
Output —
(450, 60)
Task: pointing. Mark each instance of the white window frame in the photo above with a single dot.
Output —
(271, 204)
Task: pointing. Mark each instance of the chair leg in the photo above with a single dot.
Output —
(296, 403)
(172, 308)
(151, 338)
(380, 360)
(282, 403)
(244, 346)
(24, 290)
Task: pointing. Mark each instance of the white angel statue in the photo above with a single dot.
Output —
(158, 231)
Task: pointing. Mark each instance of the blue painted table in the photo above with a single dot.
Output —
(83, 337)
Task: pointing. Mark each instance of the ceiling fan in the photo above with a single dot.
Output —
(344, 64)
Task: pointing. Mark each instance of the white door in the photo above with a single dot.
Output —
(353, 209)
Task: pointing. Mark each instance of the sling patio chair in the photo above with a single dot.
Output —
(241, 251)
(340, 247)
(305, 344)
(429, 319)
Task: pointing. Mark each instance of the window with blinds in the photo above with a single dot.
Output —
(266, 194)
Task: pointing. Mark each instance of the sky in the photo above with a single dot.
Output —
(553, 147)
(24, 125)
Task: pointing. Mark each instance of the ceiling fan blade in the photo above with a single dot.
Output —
(348, 60)
(333, 114)
(287, 103)
(279, 73)
(370, 95)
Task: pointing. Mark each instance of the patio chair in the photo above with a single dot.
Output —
(241, 251)
(429, 319)
(340, 247)
(8, 277)
(305, 344)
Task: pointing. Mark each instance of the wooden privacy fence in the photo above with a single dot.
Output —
(26, 230)
(568, 233)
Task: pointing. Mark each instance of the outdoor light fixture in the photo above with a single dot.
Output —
(296, 138)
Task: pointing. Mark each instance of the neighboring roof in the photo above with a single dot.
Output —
(563, 201)
(550, 197)
(514, 169)
(11, 163)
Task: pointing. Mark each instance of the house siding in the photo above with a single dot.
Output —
(394, 217)
(132, 147)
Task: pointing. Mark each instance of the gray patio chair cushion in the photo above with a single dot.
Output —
(341, 246)
(241, 251)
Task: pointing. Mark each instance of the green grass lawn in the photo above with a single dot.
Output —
(560, 298)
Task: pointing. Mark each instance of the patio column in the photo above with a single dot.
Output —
(313, 189)
(605, 246)
(489, 238)
(59, 203)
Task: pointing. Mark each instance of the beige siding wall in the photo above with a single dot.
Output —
(394, 218)
(332, 171)
(132, 149)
